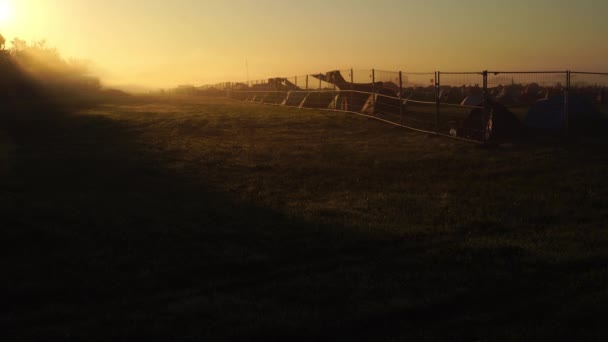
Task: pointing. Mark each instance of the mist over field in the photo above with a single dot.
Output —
(296, 171)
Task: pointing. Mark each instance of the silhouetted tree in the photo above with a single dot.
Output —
(18, 45)
(37, 71)
(2, 42)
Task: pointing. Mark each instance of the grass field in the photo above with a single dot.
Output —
(220, 220)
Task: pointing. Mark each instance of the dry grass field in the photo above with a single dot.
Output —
(208, 218)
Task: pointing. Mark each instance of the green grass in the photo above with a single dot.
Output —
(221, 220)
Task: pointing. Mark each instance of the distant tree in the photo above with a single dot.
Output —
(43, 67)
(18, 44)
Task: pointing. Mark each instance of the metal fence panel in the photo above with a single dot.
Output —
(592, 88)
(469, 105)
(519, 91)
(362, 76)
(460, 105)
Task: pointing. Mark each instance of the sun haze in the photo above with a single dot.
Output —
(6, 12)
(159, 43)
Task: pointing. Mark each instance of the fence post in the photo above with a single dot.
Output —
(401, 96)
(296, 79)
(566, 103)
(486, 112)
(320, 89)
(334, 93)
(437, 100)
(307, 82)
(352, 88)
(373, 91)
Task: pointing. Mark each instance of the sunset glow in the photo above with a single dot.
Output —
(166, 43)
(6, 12)
(308, 170)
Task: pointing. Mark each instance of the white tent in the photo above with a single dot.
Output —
(472, 100)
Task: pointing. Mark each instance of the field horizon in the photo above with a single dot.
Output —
(303, 170)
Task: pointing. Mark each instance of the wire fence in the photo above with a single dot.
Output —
(479, 106)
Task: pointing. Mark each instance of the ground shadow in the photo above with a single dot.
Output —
(101, 240)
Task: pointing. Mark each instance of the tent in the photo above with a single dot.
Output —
(602, 97)
(379, 104)
(500, 124)
(472, 100)
(534, 92)
(294, 99)
(550, 114)
(510, 96)
(340, 102)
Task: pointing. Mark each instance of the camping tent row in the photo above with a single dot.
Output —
(546, 106)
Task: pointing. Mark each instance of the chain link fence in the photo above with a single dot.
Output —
(479, 106)
(591, 87)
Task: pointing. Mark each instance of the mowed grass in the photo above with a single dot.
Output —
(219, 220)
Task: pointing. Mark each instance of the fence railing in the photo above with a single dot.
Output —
(479, 106)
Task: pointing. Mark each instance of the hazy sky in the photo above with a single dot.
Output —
(169, 42)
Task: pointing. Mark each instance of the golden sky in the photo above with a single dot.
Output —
(162, 43)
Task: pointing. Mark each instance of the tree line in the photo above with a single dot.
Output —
(36, 72)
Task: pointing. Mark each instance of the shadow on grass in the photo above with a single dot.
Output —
(100, 239)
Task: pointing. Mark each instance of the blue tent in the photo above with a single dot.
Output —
(549, 114)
